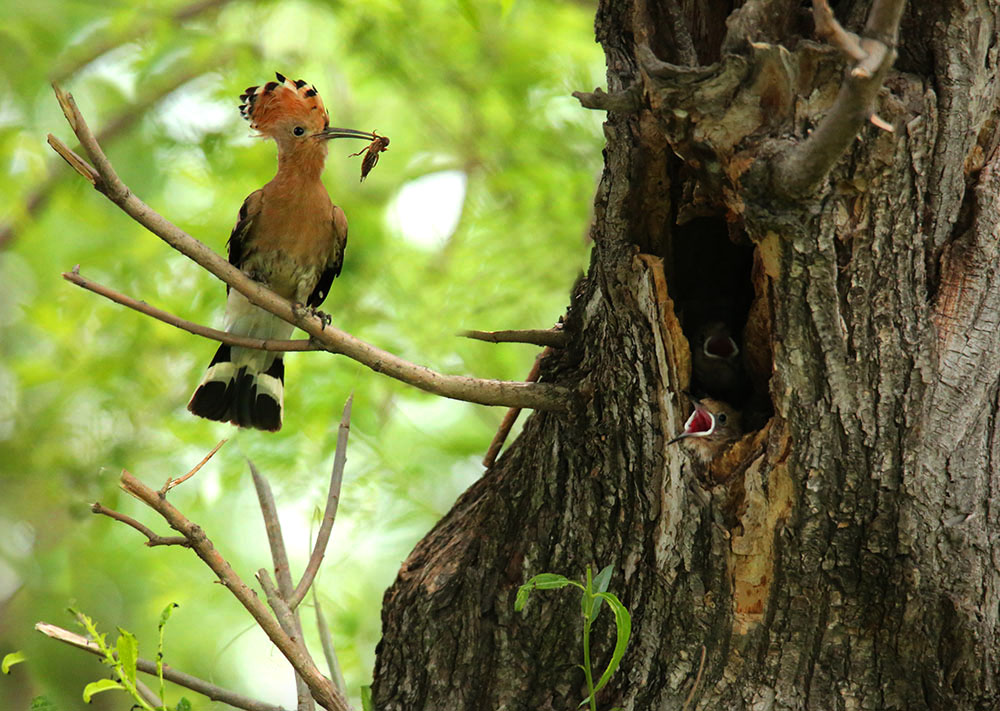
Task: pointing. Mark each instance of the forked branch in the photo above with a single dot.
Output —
(797, 171)
(322, 690)
(100, 173)
(147, 666)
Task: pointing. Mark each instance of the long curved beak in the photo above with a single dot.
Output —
(331, 132)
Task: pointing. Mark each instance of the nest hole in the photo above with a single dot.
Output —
(710, 279)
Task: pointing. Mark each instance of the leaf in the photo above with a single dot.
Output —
(183, 704)
(366, 698)
(128, 654)
(96, 687)
(11, 659)
(623, 630)
(41, 703)
(542, 581)
(600, 584)
(165, 615)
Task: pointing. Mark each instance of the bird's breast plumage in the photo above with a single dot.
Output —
(293, 240)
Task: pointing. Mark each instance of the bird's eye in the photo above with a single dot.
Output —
(721, 418)
(298, 130)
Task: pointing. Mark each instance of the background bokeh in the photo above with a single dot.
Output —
(476, 217)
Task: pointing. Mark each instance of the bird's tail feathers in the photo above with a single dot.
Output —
(249, 392)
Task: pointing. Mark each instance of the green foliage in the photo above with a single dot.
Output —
(476, 98)
(594, 592)
(122, 659)
(41, 703)
(96, 687)
(11, 659)
(366, 698)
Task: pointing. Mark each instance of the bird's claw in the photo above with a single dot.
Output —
(324, 318)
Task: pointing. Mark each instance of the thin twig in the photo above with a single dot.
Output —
(697, 680)
(151, 697)
(272, 525)
(279, 557)
(330, 512)
(539, 396)
(216, 693)
(797, 171)
(510, 417)
(37, 197)
(153, 538)
(831, 31)
(554, 337)
(329, 652)
(321, 687)
(262, 344)
(171, 483)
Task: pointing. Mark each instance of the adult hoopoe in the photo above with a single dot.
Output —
(291, 238)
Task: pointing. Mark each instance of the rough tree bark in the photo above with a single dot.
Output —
(845, 553)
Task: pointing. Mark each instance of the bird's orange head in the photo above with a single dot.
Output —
(291, 112)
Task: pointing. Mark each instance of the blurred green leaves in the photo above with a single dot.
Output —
(478, 90)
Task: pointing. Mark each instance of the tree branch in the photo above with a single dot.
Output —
(554, 337)
(279, 556)
(263, 344)
(36, 198)
(322, 689)
(326, 639)
(797, 171)
(216, 693)
(510, 417)
(171, 482)
(153, 538)
(329, 512)
(539, 396)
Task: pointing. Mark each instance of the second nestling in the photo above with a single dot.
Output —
(711, 428)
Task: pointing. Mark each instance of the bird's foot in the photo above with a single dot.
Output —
(302, 310)
(324, 318)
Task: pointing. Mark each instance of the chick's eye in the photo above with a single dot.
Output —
(298, 130)
(721, 418)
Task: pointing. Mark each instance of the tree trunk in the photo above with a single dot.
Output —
(843, 554)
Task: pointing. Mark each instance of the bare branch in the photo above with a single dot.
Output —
(510, 417)
(152, 538)
(554, 337)
(330, 512)
(302, 344)
(797, 171)
(216, 693)
(321, 687)
(37, 197)
(326, 639)
(151, 697)
(171, 483)
(697, 681)
(831, 31)
(75, 162)
(273, 527)
(281, 610)
(627, 101)
(279, 556)
(540, 396)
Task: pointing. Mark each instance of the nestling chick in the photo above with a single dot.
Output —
(717, 367)
(711, 427)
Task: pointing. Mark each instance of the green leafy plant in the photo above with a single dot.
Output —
(595, 591)
(123, 658)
